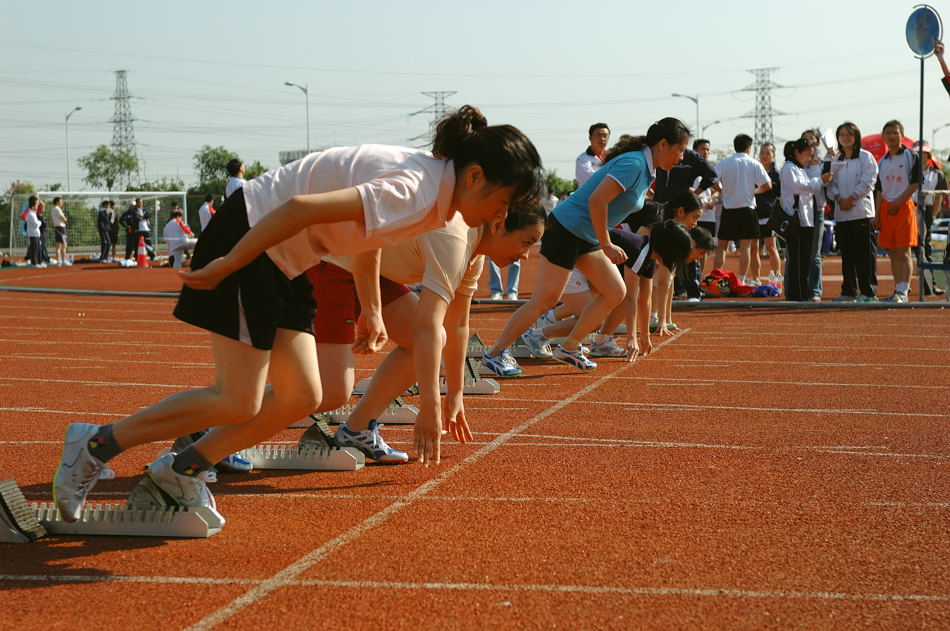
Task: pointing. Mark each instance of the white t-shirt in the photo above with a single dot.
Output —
(740, 175)
(59, 219)
(173, 232)
(584, 167)
(234, 183)
(440, 259)
(405, 192)
(32, 224)
(204, 214)
(896, 173)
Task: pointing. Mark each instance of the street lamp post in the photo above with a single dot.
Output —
(69, 186)
(694, 99)
(306, 94)
(707, 126)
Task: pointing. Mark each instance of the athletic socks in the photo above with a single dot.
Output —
(902, 288)
(189, 462)
(102, 445)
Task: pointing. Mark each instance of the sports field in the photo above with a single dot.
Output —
(763, 469)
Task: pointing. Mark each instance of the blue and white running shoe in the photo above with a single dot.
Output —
(371, 443)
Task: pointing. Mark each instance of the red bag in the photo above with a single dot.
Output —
(722, 282)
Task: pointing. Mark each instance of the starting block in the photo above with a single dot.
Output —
(398, 413)
(309, 457)
(477, 348)
(24, 522)
(472, 385)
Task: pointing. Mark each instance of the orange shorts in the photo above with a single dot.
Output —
(898, 230)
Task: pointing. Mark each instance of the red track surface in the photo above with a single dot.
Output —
(762, 470)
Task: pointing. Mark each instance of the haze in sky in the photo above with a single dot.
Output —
(213, 73)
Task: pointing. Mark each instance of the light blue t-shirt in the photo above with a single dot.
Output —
(633, 171)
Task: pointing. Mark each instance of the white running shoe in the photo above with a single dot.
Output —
(577, 358)
(607, 348)
(371, 443)
(78, 471)
(537, 343)
(183, 490)
(502, 364)
(545, 319)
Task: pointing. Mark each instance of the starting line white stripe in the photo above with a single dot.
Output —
(401, 585)
(312, 558)
(699, 381)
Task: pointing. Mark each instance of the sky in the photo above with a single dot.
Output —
(213, 73)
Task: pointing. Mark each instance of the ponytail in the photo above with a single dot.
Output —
(794, 146)
(672, 130)
(505, 155)
(671, 242)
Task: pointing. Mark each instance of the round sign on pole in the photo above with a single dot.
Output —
(924, 29)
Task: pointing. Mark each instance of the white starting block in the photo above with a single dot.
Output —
(398, 413)
(472, 385)
(32, 521)
(305, 458)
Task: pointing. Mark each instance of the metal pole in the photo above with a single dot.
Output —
(920, 181)
(69, 186)
(696, 129)
(306, 94)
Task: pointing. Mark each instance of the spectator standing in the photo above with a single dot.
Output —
(59, 229)
(741, 178)
(852, 192)
(798, 197)
(137, 226)
(236, 179)
(815, 168)
(593, 156)
(895, 216)
(104, 226)
(41, 215)
(33, 233)
(934, 180)
(765, 203)
(206, 212)
(113, 228)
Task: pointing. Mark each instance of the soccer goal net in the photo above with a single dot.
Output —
(81, 211)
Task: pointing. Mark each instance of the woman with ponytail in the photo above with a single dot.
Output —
(798, 198)
(247, 287)
(578, 234)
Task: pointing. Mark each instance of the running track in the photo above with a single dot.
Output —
(762, 470)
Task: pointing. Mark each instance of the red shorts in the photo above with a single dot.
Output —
(337, 304)
(899, 230)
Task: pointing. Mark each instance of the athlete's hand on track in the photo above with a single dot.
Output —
(614, 253)
(427, 433)
(662, 330)
(453, 415)
(370, 333)
(632, 348)
(209, 276)
(647, 347)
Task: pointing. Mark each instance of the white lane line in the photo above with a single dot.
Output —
(702, 363)
(66, 360)
(684, 406)
(46, 411)
(122, 343)
(701, 381)
(714, 592)
(298, 567)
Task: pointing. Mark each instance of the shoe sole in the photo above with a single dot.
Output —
(17, 514)
(568, 362)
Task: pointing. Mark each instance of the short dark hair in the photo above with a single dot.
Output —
(742, 142)
(32, 200)
(793, 146)
(700, 141)
(702, 238)
(209, 198)
(57, 199)
(519, 218)
(894, 123)
(234, 167)
(595, 127)
(685, 200)
(851, 127)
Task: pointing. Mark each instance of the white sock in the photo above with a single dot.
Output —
(902, 288)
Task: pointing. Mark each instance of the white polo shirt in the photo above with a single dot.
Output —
(896, 173)
(585, 165)
(740, 174)
(440, 259)
(59, 219)
(405, 192)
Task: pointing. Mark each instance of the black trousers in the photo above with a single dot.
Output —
(797, 263)
(858, 260)
(105, 243)
(924, 250)
(132, 244)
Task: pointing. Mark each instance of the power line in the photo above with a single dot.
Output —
(438, 111)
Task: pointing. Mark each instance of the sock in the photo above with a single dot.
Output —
(189, 462)
(902, 288)
(103, 446)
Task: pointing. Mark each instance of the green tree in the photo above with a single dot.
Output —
(254, 169)
(211, 166)
(558, 186)
(104, 166)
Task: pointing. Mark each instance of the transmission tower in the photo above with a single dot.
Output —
(763, 112)
(437, 109)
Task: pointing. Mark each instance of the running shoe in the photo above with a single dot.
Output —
(577, 358)
(496, 296)
(865, 299)
(843, 299)
(235, 463)
(512, 295)
(78, 471)
(371, 443)
(607, 348)
(547, 318)
(537, 343)
(502, 364)
(181, 489)
(896, 297)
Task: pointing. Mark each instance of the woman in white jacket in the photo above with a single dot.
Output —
(798, 196)
(853, 192)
